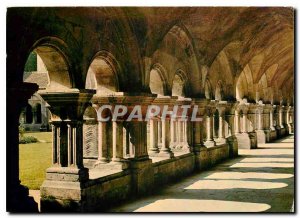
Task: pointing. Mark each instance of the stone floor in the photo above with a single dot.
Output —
(259, 180)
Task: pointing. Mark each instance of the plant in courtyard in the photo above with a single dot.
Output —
(27, 139)
(21, 131)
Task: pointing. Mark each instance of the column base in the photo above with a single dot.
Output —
(261, 136)
(165, 153)
(61, 196)
(246, 141)
(100, 162)
(142, 176)
(89, 162)
(62, 189)
(72, 174)
(281, 132)
(153, 152)
(186, 147)
(173, 145)
(119, 164)
(209, 144)
(221, 141)
(273, 134)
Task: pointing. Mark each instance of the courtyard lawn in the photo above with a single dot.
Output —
(34, 159)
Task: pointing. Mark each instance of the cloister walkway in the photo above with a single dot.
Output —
(259, 180)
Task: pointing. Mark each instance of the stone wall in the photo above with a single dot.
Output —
(173, 169)
(101, 193)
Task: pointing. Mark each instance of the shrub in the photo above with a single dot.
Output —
(21, 131)
(27, 139)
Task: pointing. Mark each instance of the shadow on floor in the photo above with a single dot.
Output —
(258, 180)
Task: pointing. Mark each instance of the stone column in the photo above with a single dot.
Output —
(17, 199)
(259, 114)
(288, 120)
(198, 127)
(281, 117)
(141, 166)
(221, 135)
(185, 143)
(159, 132)
(272, 119)
(260, 133)
(117, 141)
(214, 126)
(34, 117)
(179, 133)
(245, 140)
(67, 110)
(209, 130)
(56, 142)
(236, 122)
(245, 123)
(165, 137)
(22, 117)
(75, 156)
(153, 137)
(173, 133)
(102, 144)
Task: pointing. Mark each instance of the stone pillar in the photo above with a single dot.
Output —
(55, 142)
(185, 134)
(292, 119)
(281, 117)
(179, 132)
(75, 156)
(245, 123)
(214, 126)
(153, 137)
(260, 133)
(67, 110)
(209, 129)
(260, 120)
(102, 144)
(288, 121)
(159, 132)
(272, 119)
(34, 118)
(165, 150)
(117, 141)
(22, 117)
(245, 140)
(173, 134)
(236, 122)
(17, 199)
(141, 165)
(185, 142)
(221, 135)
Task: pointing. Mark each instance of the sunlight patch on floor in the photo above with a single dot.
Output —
(280, 145)
(262, 165)
(194, 205)
(266, 152)
(231, 184)
(263, 160)
(248, 175)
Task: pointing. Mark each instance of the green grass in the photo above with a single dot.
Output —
(34, 159)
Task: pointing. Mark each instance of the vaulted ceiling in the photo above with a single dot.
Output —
(259, 40)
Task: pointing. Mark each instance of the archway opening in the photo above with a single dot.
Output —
(156, 82)
(102, 77)
(219, 92)
(207, 90)
(47, 67)
(178, 87)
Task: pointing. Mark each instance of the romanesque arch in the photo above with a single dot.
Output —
(158, 82)
(179, 87)
(104, 74)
